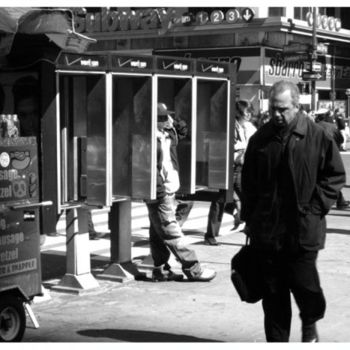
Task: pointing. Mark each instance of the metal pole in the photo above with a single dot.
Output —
(333, 77)
(314, 56)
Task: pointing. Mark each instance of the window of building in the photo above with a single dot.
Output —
(300, 12)
(277, 11)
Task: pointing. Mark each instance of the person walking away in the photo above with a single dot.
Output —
(291, 177)
(244, 130)
(165, 232)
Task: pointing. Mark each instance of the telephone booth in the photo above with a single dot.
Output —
(132, 127)
(173, 83)
(83, 120)
(212, 108)
(83, 156)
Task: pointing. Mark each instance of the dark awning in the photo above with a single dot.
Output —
(56, 23)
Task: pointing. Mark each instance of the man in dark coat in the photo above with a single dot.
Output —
(291, 177)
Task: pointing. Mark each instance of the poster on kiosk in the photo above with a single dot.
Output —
(83, 123)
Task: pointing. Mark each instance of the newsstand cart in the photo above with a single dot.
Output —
(20, 269)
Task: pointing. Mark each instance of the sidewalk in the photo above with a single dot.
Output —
(142, 311)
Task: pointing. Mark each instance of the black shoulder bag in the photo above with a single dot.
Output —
(246, 275)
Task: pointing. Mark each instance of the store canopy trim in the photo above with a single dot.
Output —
(56, 24)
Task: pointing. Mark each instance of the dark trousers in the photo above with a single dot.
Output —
(183, 210)
(218, 206)
(340, 199)
(216, 212)
(284, 273)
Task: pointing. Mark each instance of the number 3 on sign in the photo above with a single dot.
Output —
(216, 17)
(232, 16)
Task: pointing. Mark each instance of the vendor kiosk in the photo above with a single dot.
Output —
(20, 269)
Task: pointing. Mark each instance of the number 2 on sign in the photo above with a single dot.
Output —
(216, 16)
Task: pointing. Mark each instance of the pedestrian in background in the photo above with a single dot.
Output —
(244, 129)
(165, 232)
(340, 122)
(325, 120)
(291, 177)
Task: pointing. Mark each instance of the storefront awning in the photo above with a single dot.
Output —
(57, 24)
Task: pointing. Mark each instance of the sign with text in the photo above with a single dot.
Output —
(20, 250)
(18, 170)
(313, 76)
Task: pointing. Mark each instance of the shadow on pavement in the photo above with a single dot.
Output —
(343, 213)
(338, 231)
(53, 264)
(141, 336)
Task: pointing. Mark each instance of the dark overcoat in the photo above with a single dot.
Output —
(317, 174)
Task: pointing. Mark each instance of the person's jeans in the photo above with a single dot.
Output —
(165, 234)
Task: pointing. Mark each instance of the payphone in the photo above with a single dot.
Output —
(84, 134)
(173, 83)
(212, 110)
(133, 148)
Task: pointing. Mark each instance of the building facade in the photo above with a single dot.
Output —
(255, 39)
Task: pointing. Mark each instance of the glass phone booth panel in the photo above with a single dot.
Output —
(176, 93)
(212, 134)
(82, 106)
(132, 136)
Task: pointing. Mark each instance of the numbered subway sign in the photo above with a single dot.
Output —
(247, 14)
(216, 17)
(232, 16)
(202, 18)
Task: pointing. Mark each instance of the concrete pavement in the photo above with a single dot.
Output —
(143, 311)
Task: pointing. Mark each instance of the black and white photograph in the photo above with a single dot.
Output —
(174, 174)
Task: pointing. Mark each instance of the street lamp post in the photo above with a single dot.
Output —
(314, 56)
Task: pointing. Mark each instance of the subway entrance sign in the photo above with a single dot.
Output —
(313, 76)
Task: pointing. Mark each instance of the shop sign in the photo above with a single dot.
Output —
(324, 22)
(277, 68)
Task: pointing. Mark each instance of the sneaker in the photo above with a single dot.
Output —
(206, 275)
(309, 333)
(165, 276)
(211, 241)
(239, 227)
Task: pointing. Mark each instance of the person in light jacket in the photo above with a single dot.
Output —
(165, 232)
